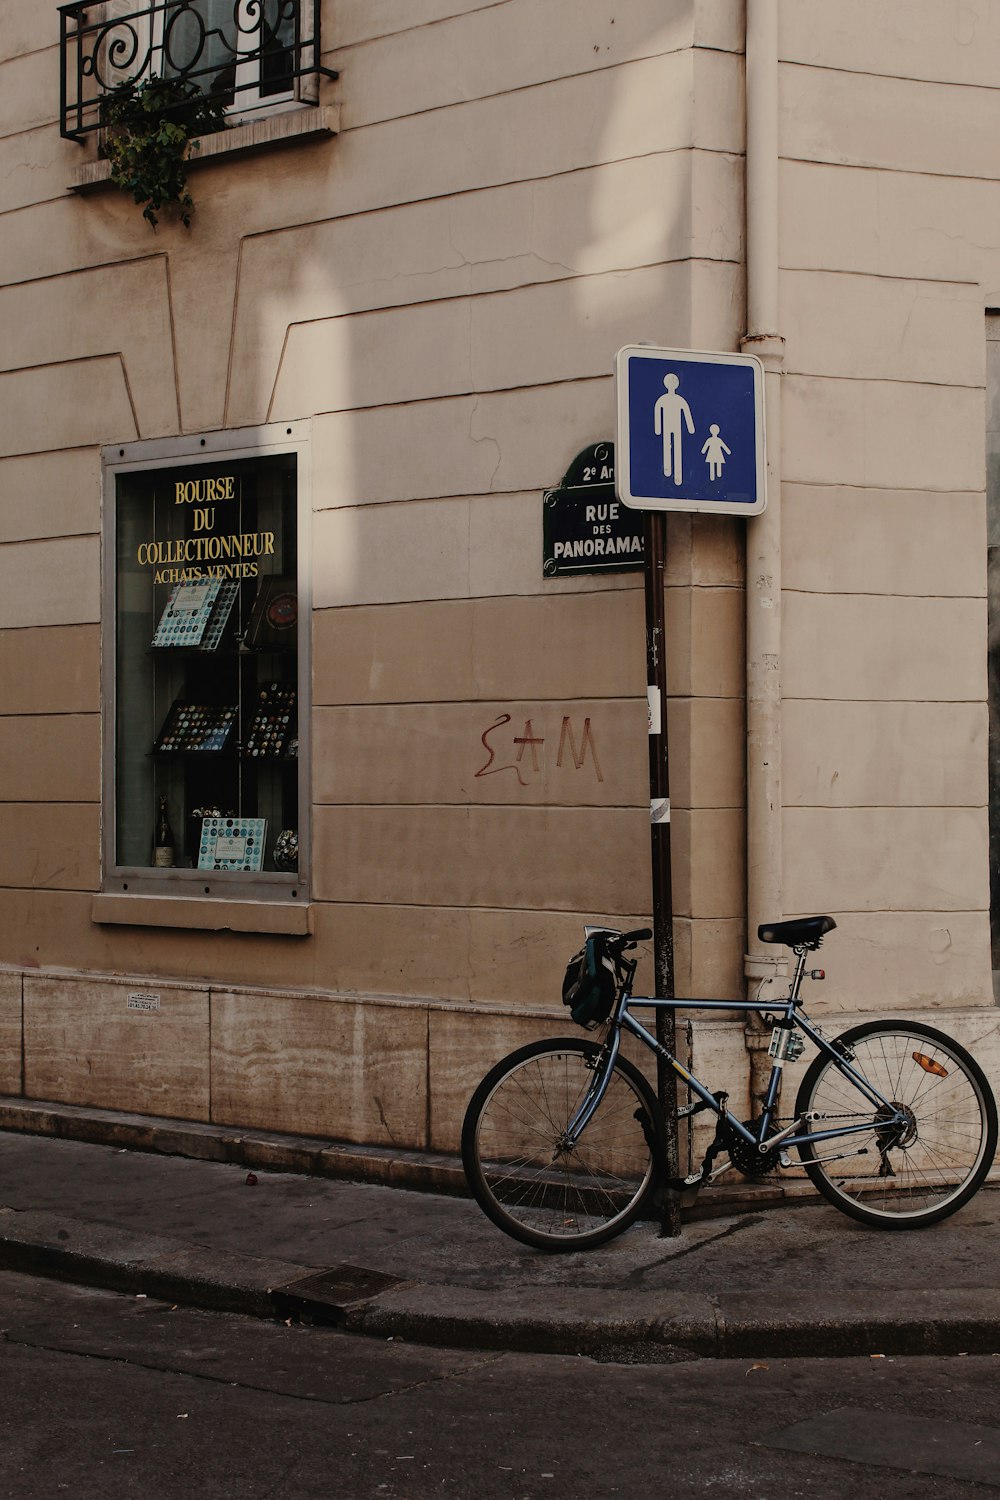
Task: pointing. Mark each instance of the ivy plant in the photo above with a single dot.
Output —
(148, 127)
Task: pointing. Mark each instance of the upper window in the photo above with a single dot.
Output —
(247, 54)
(243, 54)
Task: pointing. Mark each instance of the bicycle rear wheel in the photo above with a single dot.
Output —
(900, 1176)
(522, 1174)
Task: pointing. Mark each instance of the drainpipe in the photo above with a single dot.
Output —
(763, 547)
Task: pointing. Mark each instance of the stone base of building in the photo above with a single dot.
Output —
(395, 1074)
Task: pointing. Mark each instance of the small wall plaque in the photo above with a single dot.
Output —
(143, 1001)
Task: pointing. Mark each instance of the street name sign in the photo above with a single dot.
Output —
(690, 431)
(585, 527)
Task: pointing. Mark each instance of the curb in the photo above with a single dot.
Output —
(275, 1151)
(278, 1151)
(100, 1255)
(728, 1327)
(614, 1326)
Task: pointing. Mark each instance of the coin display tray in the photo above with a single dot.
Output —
(221, 610)
(196, 728)
(273, 722)
(187, 613)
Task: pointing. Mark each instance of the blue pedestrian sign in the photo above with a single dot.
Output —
(690, 431)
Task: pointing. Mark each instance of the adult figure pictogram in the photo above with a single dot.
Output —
(668, 414)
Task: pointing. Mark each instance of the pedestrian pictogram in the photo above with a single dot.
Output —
(668, 414)
(690, 430)
(714, 450)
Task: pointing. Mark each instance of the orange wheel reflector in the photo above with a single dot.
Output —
(929, 1065)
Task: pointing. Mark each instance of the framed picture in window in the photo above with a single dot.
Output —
(232, 843)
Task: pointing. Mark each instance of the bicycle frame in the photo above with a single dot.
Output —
(787, 1013)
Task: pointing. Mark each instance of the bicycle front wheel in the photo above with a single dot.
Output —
(900, 1175)
(520, 1169)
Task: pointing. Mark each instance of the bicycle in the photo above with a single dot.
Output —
(563, 1140)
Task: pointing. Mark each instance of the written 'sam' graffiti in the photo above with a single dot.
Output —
(523, 753)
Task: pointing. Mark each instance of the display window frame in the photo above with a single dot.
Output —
(129, 871)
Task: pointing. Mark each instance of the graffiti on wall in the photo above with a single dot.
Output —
(524, 753)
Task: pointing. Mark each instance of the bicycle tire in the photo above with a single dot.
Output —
(909, 1180)
(511, 1135)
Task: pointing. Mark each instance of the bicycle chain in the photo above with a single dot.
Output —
(749, 1160)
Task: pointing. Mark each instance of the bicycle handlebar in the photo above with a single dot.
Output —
(622, 941)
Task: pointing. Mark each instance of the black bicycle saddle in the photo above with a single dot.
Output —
(800, 932)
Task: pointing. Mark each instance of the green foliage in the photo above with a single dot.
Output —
(147, 129)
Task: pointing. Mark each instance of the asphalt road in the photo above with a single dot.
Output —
(107, 1395)
(430, 1267)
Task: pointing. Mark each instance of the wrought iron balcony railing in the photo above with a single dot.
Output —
(247, 54)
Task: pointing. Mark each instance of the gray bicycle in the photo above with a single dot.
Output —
(563, 1141)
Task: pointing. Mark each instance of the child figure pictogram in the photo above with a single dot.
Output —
(714, 450)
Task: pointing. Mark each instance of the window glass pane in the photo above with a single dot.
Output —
(202, 36)
(246, 46)
(277, 47)
(206, 729)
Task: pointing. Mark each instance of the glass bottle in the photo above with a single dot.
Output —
(163, 840)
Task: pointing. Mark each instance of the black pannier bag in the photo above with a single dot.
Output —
(589, 988)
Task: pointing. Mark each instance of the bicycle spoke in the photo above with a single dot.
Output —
(926, 1150)
(530, 1180)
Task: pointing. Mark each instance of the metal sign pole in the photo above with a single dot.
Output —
(655, 536)
(689, 436)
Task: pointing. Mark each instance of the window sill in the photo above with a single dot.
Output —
(280, 918)
(280, 129)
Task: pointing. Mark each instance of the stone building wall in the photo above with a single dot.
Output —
(512, 192)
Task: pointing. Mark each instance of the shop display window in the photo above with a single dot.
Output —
(203, 728)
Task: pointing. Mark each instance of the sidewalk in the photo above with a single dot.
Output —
(427, 1266)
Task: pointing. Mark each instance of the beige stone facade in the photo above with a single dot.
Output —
(433, 269)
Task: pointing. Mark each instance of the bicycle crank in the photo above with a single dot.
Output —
(748, 1158)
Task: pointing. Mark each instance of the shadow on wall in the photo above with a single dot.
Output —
(486, 235)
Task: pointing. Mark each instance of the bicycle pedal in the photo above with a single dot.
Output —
(688, 1189)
